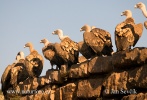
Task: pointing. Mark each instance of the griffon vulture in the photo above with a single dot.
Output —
(127, 33)
(34, 61)
(49, 51)
(98, 39)
(68, 49)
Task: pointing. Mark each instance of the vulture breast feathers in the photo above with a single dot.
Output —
(98, 39)
(68, 49)
(127, 33)
(50, 52)
(34, 61)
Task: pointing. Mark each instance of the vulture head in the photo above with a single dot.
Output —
(21, 54)
(127, 13)
(140, 5)
(59, 32)
(86, 28)
(29, 44)
(45, 42)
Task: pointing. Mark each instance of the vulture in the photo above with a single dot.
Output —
(142, 7)
(50, 53)
(127, 33)
(67, 49)
(98, 40)
(19, 72)
(34, 61)
(6, 77)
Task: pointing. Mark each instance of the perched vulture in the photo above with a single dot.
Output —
(49, 51)
(98, 39)
(6, 77)
(67, 49)
(33, 62)
(19, 72)
(127, 33)
(142, 7)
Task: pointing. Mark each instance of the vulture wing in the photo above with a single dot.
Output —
(71, 48)
(49, 51)
(97, 39)
(138, 29)
(34, 64)
(85, 50)
(124, 34)
(19, 72)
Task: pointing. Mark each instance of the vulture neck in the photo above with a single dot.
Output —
(61, 37)
(144, 11)
(22, 57)
(31, 48)
(88, 29)
(129, 15)
(46, 43)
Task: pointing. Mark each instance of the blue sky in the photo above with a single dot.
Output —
(23, 21)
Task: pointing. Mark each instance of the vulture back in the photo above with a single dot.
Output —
(34, 64)
(99, 39)
(72, 48)
(50, 53)
(19, 73)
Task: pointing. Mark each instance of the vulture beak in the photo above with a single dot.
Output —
(81, 30)
(40, 41)
(135, 6)
(122, 14)
(24, 46)
(53, 32)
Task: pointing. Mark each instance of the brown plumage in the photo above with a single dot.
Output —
(68, 49)
(127, 33)
(98, 39)
(49, 51)
(33, 62)
(85, 50)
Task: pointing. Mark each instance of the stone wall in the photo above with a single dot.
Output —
(121, 76)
